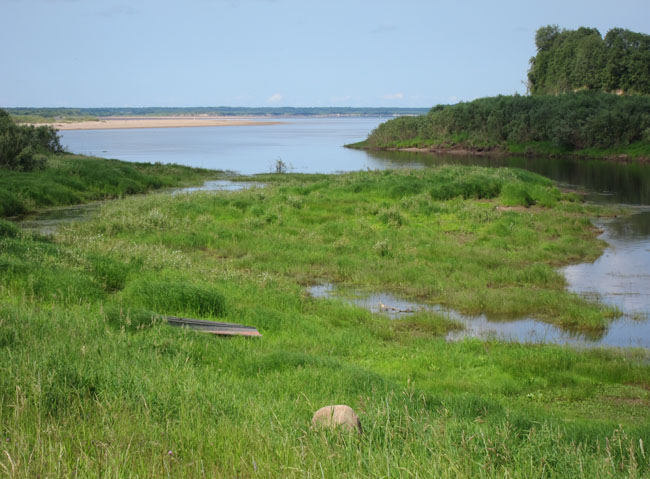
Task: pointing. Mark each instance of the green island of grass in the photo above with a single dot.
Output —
(84, 355)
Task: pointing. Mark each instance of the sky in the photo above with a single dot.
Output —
(406, 53)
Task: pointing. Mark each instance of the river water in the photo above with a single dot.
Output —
(306, 145)
(620, 277)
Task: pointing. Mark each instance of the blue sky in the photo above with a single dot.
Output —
(84, 53)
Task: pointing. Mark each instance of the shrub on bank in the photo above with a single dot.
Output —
(24, 148)
(573, 121)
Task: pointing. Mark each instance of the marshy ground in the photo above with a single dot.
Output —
(92, 384)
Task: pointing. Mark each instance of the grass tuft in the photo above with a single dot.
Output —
(176, 297)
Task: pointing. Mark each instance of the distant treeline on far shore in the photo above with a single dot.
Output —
(85, 113)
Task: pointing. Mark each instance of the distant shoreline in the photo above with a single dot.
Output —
(132, 122)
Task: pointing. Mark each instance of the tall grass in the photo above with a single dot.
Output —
(93, 384)
(72, 179)
(176, 297)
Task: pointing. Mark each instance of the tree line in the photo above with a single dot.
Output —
(25, 148)
(572, 60)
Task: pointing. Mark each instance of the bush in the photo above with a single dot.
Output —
(110, 272)
(479, 185)
(23, 148)
(29, 160)
(517, 194)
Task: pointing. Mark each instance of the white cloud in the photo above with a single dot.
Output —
(393, 96)
(275, 98)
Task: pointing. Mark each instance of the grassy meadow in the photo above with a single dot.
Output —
(94, 384)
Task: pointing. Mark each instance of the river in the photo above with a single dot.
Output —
(620, 277)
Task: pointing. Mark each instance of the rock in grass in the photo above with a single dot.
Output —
(340, 416)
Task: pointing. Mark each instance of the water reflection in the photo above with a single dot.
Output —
(48, 221)
(621, 275)
(624, 332)
(219, 185)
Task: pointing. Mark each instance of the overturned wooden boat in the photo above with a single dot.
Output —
(213, 327)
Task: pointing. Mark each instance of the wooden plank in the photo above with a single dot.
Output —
(213, 327)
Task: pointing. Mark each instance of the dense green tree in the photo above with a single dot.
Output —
(23, 148)
(572, 60)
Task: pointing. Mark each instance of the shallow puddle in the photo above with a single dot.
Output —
(219, 185)
(624, 332)
(48, 221)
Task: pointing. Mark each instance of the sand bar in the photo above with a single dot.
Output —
(127, 122)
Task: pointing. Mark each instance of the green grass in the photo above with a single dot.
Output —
(72, 179)
(176, 297)
(94, 384)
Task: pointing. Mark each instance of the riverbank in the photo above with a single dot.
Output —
(183, 121)
(74, 179)
(636, 153)
(584, 124)
(86, 356)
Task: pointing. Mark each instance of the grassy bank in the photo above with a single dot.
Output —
(72, 179)
(585, 124)
(93, 386)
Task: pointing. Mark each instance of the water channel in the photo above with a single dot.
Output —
(620, 277)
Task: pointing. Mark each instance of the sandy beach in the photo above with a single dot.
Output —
(127, 122)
